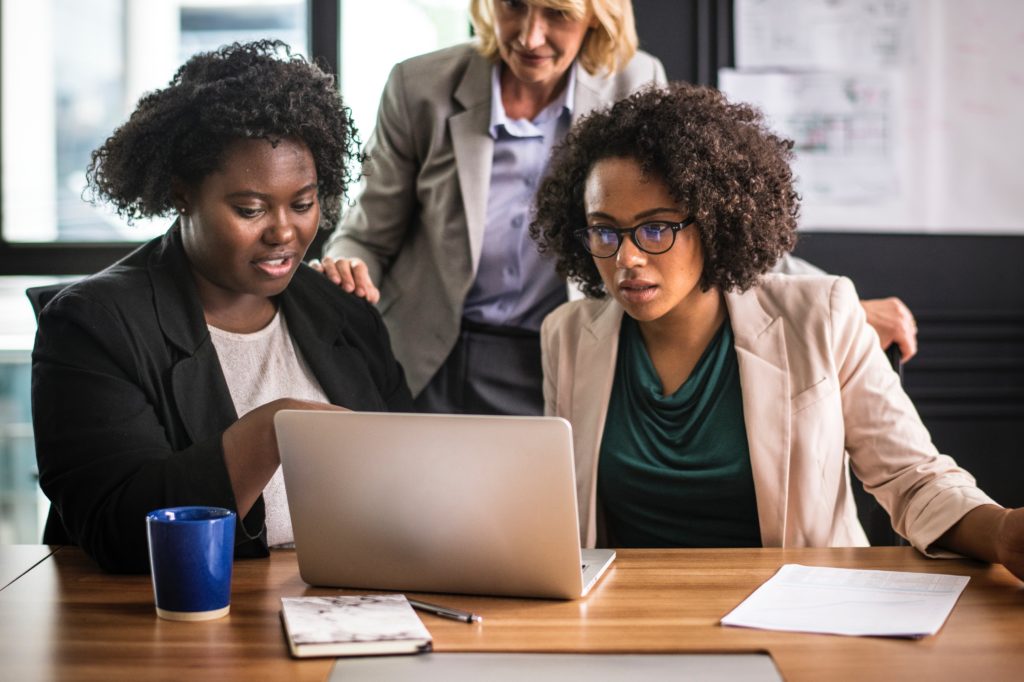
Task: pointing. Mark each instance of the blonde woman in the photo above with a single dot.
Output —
(439, 234)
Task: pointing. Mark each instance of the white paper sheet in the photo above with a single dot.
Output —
(844, 601)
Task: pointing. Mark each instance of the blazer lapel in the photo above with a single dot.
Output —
(594, 373)
(336, 365)
(200, 391)
(474, 148)
(201, 394)
(764, 378)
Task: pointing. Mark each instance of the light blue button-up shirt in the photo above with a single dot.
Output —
(515, 286)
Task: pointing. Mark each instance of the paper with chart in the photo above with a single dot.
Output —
(844, 601)
(842, 127)
(905, 113)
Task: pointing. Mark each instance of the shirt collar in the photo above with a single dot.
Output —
(561, 105)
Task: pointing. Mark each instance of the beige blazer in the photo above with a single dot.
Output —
(818, 393)
(419, 222)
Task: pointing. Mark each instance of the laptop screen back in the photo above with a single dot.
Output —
(432, 503)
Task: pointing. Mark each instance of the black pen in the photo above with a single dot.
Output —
(445, 612)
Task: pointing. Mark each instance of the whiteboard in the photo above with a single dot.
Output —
(908, 115)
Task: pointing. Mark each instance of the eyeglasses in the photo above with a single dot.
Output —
(603, 241)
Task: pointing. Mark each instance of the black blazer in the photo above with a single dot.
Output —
(129, 401)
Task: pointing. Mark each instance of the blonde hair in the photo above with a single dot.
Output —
(607, 47)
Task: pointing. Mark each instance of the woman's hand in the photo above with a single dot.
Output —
(990, 533)
(250, 449)
(894, 323)
(1010, 541)
(351, 274)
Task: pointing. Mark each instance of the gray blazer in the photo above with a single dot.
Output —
(419, 221)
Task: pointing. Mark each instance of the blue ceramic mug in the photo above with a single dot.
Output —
(190, 555)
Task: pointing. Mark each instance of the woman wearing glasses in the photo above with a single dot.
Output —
(712, 404)
(438, 236)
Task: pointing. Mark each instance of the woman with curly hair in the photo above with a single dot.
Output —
(438, 235)
(155, 381)
(713, 404)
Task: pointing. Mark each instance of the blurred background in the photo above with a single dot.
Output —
(906, 116)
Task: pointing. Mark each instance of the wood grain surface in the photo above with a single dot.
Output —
(66, 619)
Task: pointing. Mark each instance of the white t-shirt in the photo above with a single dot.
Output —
(259, 368)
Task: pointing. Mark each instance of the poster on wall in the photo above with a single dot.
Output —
(905, 114)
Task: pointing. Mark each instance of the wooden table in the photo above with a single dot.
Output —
(67, 620)
(18, 559)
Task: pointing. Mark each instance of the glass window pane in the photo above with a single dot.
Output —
(74, 69)
(366, 56)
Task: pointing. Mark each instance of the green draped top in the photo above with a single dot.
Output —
(675, 470)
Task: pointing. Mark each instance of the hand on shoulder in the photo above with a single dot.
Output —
(351, 274)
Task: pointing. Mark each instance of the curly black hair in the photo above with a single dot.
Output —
(717, 159)
(243, 90)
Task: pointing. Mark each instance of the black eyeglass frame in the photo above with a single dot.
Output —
(620, 232)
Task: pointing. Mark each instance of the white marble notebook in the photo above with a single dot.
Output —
(365, 625)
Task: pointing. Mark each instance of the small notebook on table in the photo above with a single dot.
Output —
(366, 625)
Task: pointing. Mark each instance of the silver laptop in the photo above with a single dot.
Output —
(436, 503)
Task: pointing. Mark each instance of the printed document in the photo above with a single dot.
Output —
(845, 601)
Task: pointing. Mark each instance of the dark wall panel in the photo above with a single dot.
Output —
(666, 29)
(693, 38)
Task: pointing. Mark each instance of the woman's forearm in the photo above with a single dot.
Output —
(977, 534)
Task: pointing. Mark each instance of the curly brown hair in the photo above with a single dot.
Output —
(717, 159)
(244, 90)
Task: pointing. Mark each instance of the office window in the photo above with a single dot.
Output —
(374, 36)
(74, 69)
